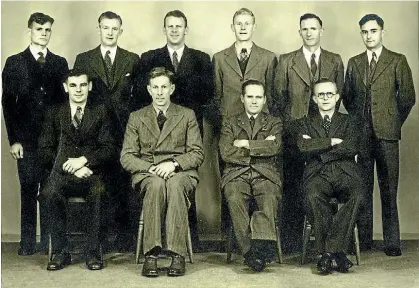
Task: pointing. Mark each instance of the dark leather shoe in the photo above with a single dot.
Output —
(94, 261)
(343, 263)
(255, 264)
(324, 265)
(177, 267)
(26, 250)
(150, 267)
(393, 251)
(58, 261)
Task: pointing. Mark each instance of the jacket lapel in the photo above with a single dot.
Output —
(383, 62)
(87, 120)
(66, 121)
(316, 123)
(335, 124)
(253, 58)
(120, 62)
(300, 66)
(361, 64)
(244, 123)
(150, 120)
(325, 64)
(185, 61)
(261, 121)
(98, 66)
(173, 118)
(231, 59)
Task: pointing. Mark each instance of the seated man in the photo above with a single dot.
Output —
(249, 144)
(162, 150)
(329, 143)
(75, 142)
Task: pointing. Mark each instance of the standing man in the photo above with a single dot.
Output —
(31, 83)
(241, 61)
(379, 88)
(192, 68)
(294, 77)
(249, 145)
(163, 150)
(112, 71)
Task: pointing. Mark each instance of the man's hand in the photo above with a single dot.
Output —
(17, 151)
(336, 141)
(165, 169)
(74, 164)
(152, 169)
(241, 143)
(271, 138)
(83, 172)
(305, 136)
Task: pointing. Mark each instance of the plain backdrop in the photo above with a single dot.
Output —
(74, 31)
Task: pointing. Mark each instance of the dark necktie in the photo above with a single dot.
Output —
(108, 61)
(175, 61)
(373, 65)
(252, 122)
(77, 117)
(161, 119)
(41, 58)
(326, 123)
(243, 55)
(313, 65)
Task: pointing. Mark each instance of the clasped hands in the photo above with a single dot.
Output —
(164, 170)
(241, 143)
(334, 141)
(76, 166)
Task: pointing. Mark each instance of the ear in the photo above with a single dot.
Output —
(164, 30)
(186, 30)
(120, 31)
(172, 88)
(383, 32)
(65, 87)
(149, 89)
(233, 28)
(98, 29)
(264, 99)
(242, 98)
(337, 96)
(299, 33)
(254, 27)
(29, 32)
(321, 31)
(90, 85)
(315, 99)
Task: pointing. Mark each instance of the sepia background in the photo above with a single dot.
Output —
(74, 31)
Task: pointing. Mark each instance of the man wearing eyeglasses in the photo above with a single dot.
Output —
(379, 88)
(329, 142)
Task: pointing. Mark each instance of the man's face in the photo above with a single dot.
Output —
(160, 90)
(326, 96)
(109, 31)
(78, 88)
(372, 35)
(254, 99)
(311, 32)
(175, 30)
(243, 27)
(40, 34)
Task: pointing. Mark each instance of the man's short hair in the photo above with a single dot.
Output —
(324, 80)
(311, 16)
(252, 82)
(109, 15)
(160, 71)
(244, 11)
(371, 17)
(177, 14)
(76, 73)
(39, 18)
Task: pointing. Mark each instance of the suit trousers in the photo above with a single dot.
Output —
(166, 204)
(385, 153)
(261, 224)
(332, 231)
(56, 191)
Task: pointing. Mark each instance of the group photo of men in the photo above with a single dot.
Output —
(163, 149)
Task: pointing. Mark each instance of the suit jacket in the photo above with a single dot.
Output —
(261, 155)
(193, 79)
(293, 91)
(392, 92)
(94, 139)
(318, 151)
(28, 91)
(144, 144)
(229, 78)
(117, 93)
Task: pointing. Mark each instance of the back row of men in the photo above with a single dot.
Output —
(378, 88)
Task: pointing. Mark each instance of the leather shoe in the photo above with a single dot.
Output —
(324, 265)
(393, 251)
(26, 251)
(58, 261)
(94, 261)
(150, 267)
(177, 267)
(255, 263)
(343, 263)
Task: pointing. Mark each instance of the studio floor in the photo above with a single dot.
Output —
(210, 270)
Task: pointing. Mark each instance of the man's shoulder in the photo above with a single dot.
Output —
(127, 53)
(264, 51)
(151, 53)
(330, 53)
(222, 53)
(198, 53)
(88, 53)
(183, 110)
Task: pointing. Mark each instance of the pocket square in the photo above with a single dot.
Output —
(128, 74)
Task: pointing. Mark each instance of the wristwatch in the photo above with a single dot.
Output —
(176, 164)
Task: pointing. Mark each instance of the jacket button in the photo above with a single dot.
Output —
(241, 79)
(42, 88)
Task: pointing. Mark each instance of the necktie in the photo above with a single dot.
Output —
(108, 61)
(77, 117)
(41, 58)
(243, 55)
(313, 65)
(252, 122)
(326, 123)
(161, 119)
(373, 65)
(175, 61)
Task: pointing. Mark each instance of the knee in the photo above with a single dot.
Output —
(179, 184)
(153, 188)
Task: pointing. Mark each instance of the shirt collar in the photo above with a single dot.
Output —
(330, 114)
(158, 110)
(307, 55)
(377, 53)
(246, 45)
(179, 52)
(35, 50)
(250, 115)
(73, 107)
(112, 50)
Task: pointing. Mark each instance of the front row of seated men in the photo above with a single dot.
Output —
(163, 149)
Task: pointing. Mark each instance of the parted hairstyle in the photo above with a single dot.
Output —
(39, 18)
(252, 82)
(372, 17)
(160, 71)
(311, 16)
(109, 15)
(177, 14)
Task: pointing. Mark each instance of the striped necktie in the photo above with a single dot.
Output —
(77, 117)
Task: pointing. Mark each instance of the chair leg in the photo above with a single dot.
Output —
(49, 247)
(139, 239)
(358, 251)
(229, 242)
(189, 246)
(306, 239)
(278, 242)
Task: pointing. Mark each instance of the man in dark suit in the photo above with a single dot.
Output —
(76, 141)
(249, 144)
(163, 150)
(294, 77)
(112, 71)
(241, 61)
(329, 143)
(192, 68)
(379, 88)
(31, 82)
